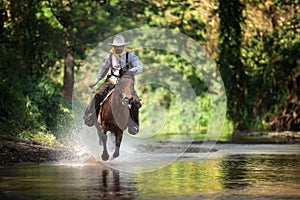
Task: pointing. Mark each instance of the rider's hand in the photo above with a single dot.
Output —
(91, 85)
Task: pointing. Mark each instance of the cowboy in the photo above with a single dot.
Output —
(118, 62)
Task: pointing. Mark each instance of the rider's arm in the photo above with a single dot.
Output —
(102, 71)
(136, 65)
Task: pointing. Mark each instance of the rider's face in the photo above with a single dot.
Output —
(119, 49)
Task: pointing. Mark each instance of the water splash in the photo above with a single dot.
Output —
(187, 110)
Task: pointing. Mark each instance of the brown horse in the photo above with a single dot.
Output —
(114, 114)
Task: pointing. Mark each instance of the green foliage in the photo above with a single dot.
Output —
(256, 44)
(32, 107)
(47, 108)
(271, 55)
(41, 136)
(179, 65)
(205, 110)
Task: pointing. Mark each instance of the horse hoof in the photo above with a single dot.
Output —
(105, 157)
(116, 155)
(133, 130)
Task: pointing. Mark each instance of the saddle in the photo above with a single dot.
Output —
(99, 120)
(131, 107)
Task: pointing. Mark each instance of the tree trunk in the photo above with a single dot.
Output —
(68, 76)
(231, 65)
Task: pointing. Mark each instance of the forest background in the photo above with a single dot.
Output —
(255, 44)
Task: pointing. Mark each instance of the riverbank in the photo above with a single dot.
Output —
(15, 150)
(284, 137)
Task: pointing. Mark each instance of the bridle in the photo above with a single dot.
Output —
(124, 100)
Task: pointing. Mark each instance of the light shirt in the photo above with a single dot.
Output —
(116, 63)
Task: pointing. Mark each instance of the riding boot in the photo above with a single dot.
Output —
(100, 94)
(90, 116)
(98, 100)
(92, 110)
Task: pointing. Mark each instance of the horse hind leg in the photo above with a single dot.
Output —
(99, 133)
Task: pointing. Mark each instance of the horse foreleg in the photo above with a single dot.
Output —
(102, 139)
(119, 136)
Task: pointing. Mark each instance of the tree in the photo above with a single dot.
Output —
(68, 76)
(229, 61)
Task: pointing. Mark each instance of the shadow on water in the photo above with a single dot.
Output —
(218, 176)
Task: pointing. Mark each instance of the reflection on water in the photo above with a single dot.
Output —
(223, 177)
(269, 176)
(66, 182)
(233, 176)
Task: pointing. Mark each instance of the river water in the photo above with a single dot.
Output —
(231, 171)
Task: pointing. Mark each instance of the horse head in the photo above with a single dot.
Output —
(125, 89)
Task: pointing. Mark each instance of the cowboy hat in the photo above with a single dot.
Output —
(118, 41)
